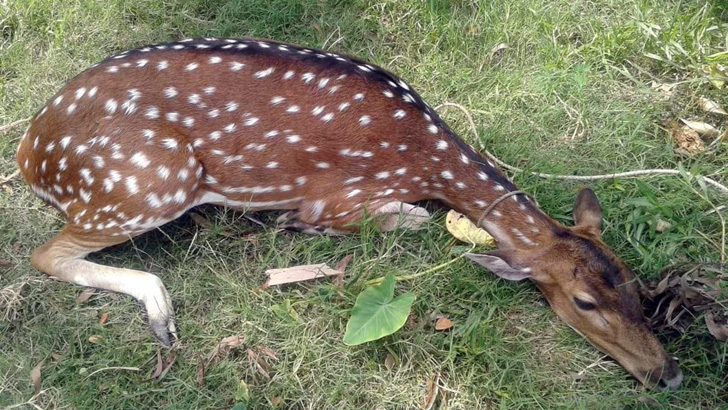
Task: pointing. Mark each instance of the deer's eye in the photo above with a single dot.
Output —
(584, 305)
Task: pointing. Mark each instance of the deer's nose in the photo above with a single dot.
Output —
(669, 376)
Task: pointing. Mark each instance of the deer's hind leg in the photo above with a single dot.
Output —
(62, 258)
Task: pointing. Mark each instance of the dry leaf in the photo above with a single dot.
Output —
(341, 267)
(8, 189)
(163, 365)
(276, 401)
(319, 30)
(85, 295)
(666, 89)
(462, 228)
(201, 367)
(4, 263)
(104, 318)
(702, 128)
(343, 263)
(298, 274)
(662, 225)
(95, 339)
(687, 140)
(259, 364)
(710, 106)
(433, 387)
(36, 378)
(683, 293)
(200, 220)
(56, 356)
(160, 365)
(717, 326)
(498, 48)
(224, 347)
(268, 352)
(389, 361)
(443, 323)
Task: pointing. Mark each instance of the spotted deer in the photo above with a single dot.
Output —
(138, 139)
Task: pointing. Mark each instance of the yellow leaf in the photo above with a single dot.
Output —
(710, 106)
(702, 128)
(465, 230)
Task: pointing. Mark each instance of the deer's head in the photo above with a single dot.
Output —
(592, 290)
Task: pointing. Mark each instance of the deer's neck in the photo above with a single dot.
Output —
(473, 185)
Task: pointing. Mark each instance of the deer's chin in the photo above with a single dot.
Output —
(666, 375)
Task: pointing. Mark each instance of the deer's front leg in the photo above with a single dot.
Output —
(63, 258)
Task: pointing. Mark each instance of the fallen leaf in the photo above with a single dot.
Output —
(662, 225)
(389, 361)
(56, 356)
(201, 367)
(433, 388)
(224, 347)
(35, 377)
(276, 401)
(300, 273)
(85, 295)
(716, 326)
(498, 48)
(716, 75)
(319, 30)
(8, 190)
(95, 339)
(443, 323)
(710, 106)
(160, 365)
(462, 228)
(685, 292)
(338, 280)
(163, 364)
(200, 220)
(267, 352)
(687, 140)
(666, 89)
(702, 128)
(343, 263)
(259, 364)
(4, 263)
(104, 318)
(243, 393)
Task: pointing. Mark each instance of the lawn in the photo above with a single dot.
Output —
(576, 91)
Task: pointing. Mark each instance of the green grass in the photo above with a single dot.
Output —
(570, 65)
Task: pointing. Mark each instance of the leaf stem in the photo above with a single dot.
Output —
(423, 273)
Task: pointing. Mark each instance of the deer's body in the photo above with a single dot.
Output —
(140, 138)
(135, 141)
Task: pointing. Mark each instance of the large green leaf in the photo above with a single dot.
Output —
(376, 314)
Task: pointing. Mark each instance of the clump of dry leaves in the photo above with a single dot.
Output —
(688, 135)
(685, 292)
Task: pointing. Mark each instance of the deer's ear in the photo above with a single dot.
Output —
(588, 212)
(498, 263)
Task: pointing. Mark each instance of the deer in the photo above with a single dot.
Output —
(136, 140)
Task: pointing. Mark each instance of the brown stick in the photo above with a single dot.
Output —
(13, 124)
